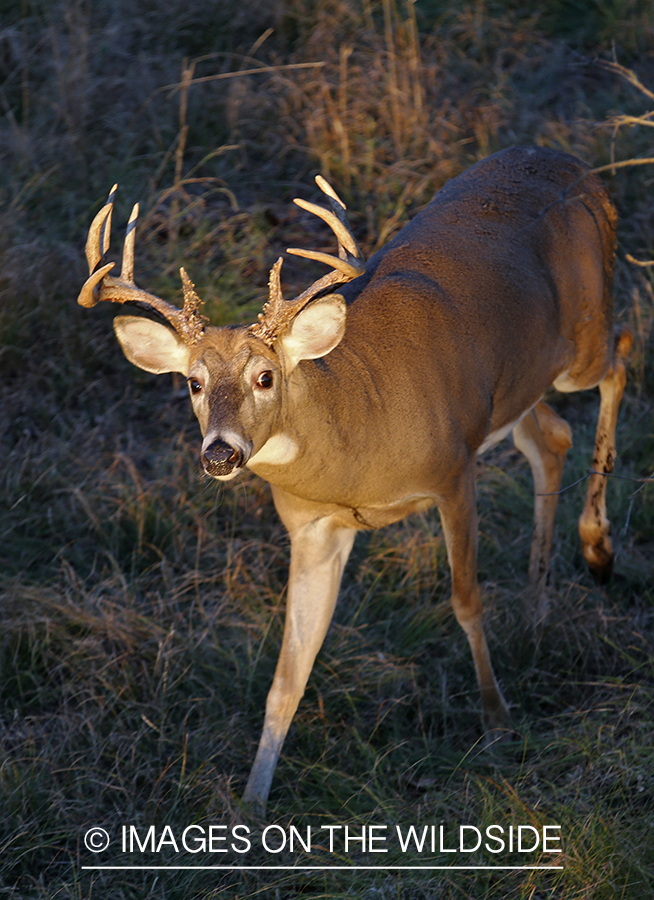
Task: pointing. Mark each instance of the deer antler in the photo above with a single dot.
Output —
(349, 264)
(350, 260)
(277, 312)
(187, 322)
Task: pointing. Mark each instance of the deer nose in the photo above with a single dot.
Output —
(220, 458)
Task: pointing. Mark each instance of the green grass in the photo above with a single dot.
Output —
(141, 605)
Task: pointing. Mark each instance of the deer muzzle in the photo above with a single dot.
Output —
(220, 459)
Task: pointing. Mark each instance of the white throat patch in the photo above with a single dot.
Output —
(278, 450)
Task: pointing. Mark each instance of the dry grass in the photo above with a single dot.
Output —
(142, 606)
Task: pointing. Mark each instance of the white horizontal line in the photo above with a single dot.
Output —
(328, 868)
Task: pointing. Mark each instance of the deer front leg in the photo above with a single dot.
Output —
(543, 438)
(594, 527)
(319, 551)
(459, 519)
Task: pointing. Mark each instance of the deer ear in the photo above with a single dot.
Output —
(151, 345)
(315, 331)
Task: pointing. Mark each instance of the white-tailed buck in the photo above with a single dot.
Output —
(369, 396)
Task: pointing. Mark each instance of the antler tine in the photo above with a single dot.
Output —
(348, 269)
(350, 260)
(326, 188)
(187, 322)
(127, 271)
(191, 303)
(276, 298)
(344, 236)
(97, 243)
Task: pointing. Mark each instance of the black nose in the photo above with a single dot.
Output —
(220, 459)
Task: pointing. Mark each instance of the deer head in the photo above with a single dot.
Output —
(237, 376)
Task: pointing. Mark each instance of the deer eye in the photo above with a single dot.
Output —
(265, 380)
(194, 385)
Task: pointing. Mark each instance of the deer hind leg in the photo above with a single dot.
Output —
(319, 551)
(594, 527)
(544, 438)
(459, 519)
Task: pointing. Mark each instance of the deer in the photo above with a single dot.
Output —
(370, 395)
